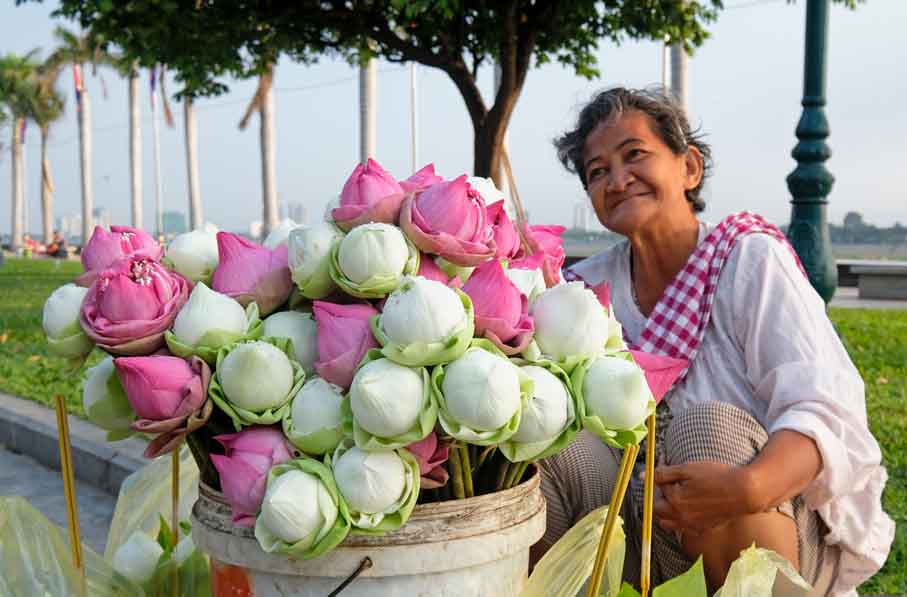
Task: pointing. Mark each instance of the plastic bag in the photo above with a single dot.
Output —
(145, 497)
(35, 559)
(755, 574)
(567, 566)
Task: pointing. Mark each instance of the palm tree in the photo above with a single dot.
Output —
(129, 69)
(78, 50)
(48, 108)
(17, 97)
(263, 103)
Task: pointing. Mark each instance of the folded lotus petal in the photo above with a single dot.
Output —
(161, 388)
(661, 372)
(548, 241)
(516, 345)
(386, 210)
(506, 238)
(457, 251)
(429, 269)
(173, 431)
(104, 248)
(534, 261)
(500, 307)
(270, 292)
(420, 180)
(121, 328)
(436, 477)
(367, 184)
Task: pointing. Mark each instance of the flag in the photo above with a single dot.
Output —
(153, 79)
(77, 80)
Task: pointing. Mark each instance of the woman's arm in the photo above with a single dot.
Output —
(786, 466)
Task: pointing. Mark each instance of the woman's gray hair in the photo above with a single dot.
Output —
(671, 125)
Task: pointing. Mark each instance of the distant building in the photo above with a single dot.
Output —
(584, 217)
(100, 217)
(174, 222)
(70, 226)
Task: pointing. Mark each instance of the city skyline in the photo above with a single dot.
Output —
(745, 89)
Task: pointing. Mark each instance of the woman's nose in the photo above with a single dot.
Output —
(618, 180)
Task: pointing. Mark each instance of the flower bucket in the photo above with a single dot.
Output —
(471, 547)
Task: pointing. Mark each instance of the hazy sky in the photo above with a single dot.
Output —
(745, 90)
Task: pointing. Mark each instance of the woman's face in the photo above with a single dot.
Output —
(633, 178)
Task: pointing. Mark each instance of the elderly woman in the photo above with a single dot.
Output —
(765, 438)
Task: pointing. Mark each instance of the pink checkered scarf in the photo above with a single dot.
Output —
(677, 324)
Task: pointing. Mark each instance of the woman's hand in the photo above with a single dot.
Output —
(698, 496)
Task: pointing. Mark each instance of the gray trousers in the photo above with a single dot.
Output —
(581, 477)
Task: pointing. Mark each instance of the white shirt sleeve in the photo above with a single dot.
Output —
(798, 366)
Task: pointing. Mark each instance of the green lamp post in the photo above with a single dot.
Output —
(810, 182)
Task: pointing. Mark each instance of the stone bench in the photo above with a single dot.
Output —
(882, 281)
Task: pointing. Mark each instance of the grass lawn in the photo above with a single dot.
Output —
(877, 341)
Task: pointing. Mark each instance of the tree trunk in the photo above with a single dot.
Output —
(18, 199)
(679, 74)
(195, 199)
(47, 191)
(135, 150)
(268, 167)
(85, 159)
(368, 96)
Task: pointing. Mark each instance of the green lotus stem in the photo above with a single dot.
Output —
(519, 469)
(467, 470)
(456, 474)
(511, 473)
(503, 469)
(483, 456)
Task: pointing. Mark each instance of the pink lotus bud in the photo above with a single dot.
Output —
(449, 219)
(603, 293)
(501, 310)
(421, 180)
(661, 372)
(431, 456)
(505, 235)
(168, 394)
(250, 272)
(547, 241)
(343, 338)
(370, 194)
(244, 466)
(104, 249)
(129, 306)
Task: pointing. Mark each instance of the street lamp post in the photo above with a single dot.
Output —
(811, 182)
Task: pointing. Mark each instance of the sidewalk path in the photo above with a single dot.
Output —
(848, 298)
(43, 488)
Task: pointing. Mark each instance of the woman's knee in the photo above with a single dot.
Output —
(715, 431)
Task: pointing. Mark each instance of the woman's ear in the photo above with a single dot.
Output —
(693, 164)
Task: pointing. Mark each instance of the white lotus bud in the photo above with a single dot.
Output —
(531, 282)
(297, 507)
(137, 558)
(108, 410)
(317, 406)
(547, 412)
(208, 310)
(279, 235)
(309, 248)
(482, 390)
(61, 311)
(300, 328)
(569, 321)
(422, 310)
(616, 391)
(386, 398)
(183, 550)
(370, 482)
(194, 254)
(373, 249)
(491, 193)
(256, 376)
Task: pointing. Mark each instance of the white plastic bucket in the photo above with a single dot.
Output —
(461, 548)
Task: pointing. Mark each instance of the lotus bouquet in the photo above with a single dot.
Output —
(416, 346)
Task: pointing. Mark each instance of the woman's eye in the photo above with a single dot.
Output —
(595, 173)
(634, 153)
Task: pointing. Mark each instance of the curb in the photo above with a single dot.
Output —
(30, 428)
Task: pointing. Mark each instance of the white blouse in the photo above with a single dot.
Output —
(770, 350)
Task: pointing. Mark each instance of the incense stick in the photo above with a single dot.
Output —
(69, 483)
(648, 498)
(175, 512)
(617, 498)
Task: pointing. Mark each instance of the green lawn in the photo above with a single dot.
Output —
(877, 341)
